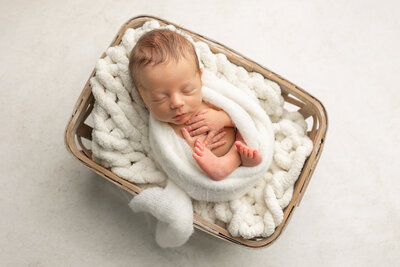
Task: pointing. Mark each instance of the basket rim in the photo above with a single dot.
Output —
(309, 166)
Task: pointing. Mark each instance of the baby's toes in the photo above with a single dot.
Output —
(198, 151)
(199, 144)
(238, 144)
(240, 149)
(196, 157)
(251, 153)
(255, 153)
(245, 152)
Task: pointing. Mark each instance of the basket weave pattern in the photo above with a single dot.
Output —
(307, 106)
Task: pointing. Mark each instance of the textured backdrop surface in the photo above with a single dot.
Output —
(56, 212)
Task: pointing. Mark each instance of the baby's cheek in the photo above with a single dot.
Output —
(160, 113)
(197, 100)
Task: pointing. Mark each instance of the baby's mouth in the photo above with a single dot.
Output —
(179, 116)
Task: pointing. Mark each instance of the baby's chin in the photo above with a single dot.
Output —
(180, 123)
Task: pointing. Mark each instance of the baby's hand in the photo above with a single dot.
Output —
(212, 140)
(208, 120)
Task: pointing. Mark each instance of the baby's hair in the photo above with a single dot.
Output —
(158, 46)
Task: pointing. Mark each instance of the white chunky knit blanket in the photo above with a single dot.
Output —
(120, 141)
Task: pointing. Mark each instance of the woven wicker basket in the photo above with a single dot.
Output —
(78, 129)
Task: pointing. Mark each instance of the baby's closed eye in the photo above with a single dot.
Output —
(189, 90)
(159, 100)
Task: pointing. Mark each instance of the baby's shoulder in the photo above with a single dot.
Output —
(209, 105)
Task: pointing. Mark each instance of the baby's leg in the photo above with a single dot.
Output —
(249, 157)
(217, 168)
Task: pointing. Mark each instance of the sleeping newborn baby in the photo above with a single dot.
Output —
(165, 70)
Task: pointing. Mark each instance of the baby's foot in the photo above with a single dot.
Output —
(215, 167)
(250, 157)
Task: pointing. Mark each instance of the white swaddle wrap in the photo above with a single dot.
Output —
(172, 206)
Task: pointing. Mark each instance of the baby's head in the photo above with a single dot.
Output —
(165, 70)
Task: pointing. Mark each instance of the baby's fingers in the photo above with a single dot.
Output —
(199, 131)
(186, 135)
(204, 111)
(196, 125)
(193, 120)
(217, 144)
(210, 136)
(197, 117)
(221, 133)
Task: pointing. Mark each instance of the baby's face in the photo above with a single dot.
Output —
(172, 91)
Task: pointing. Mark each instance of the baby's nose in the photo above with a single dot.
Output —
(176, 101)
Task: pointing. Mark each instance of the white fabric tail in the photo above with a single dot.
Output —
(173, 209)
